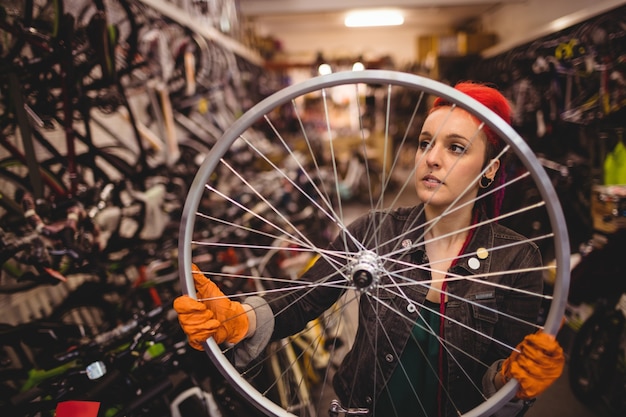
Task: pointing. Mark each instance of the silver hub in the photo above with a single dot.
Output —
(365, 271)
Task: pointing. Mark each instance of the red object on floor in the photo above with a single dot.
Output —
(77, 409)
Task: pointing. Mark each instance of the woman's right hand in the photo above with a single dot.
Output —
(212, 315)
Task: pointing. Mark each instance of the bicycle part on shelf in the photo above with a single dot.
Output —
(141, 367)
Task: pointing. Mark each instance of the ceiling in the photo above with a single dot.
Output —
(329, 14)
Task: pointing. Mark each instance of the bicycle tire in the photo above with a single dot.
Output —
(121, 21)
(222, 161)
(18, 162)
(104, 164)
(594, 354)
(14, 179)
(33, 22)
(12, 44)
(112, 163)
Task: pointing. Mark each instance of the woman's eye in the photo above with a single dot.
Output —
(423, 144)
(458, 149)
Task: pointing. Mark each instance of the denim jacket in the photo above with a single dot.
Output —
(478, 331)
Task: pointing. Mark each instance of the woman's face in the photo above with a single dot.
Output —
(450, 157)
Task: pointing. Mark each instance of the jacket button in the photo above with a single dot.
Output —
(389, 357)
(368, 400)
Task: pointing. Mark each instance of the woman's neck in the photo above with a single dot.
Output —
(453, 226)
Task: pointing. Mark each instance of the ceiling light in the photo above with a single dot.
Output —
(324, 69)
(381, 17)
(358, 66)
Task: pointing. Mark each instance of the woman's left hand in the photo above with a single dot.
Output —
(536, 363)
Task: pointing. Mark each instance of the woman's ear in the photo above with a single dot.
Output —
(492, 168)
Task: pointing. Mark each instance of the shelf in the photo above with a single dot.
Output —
(555, 26)
(183, 18)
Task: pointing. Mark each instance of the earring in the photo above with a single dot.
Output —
(485, 182)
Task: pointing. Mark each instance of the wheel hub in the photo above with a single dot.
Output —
(365, 271)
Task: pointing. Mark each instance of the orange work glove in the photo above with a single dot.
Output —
(197, 321)
(536, 364)
(213, 316)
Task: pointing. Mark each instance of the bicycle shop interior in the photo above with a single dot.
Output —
(110, 108)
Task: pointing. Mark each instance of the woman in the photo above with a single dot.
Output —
(451, 367)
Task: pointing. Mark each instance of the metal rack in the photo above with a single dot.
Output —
(183, 18)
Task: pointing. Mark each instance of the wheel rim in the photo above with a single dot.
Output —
(388, 78)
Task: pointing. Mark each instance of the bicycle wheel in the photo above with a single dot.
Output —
(280, 159)
(10, 43)
(15, 182)
(595, 354)
(114, 26)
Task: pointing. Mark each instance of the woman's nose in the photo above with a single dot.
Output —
(433, 155)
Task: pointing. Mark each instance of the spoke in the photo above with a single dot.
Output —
(264, 219)
(373, 338)
(420, 242)
(290, 285)
(334, 163)
(476, 277)
(301, 239)
(251, 246)
(474, 303)
(322, 193)
(214, 240)
(331, 216)
(433, 332)
(411, 173)
(410, 265)
(403, 142)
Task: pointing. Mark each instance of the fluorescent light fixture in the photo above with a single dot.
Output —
(380, 17)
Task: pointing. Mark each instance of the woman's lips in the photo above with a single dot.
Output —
(431, 181)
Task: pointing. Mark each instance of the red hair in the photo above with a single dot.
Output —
(488, 97)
